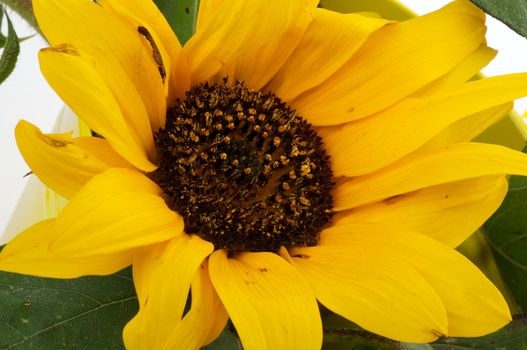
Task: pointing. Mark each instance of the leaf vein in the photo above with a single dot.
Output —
(82, 314)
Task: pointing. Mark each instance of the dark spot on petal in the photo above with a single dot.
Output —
(155, 51)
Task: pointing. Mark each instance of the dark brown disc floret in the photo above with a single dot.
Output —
(244, 171)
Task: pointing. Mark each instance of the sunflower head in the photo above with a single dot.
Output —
(243, 169)
(285, 155)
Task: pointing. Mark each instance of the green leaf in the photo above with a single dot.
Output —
(511, 337)
(226, 341)
(2, 36)
(181, 15)
(24, 10)
(21, 40)
(350, 339)
(3, 39)
(511, 12)
(506, 231)
(83, 313)
(10, 51)
(341, 334)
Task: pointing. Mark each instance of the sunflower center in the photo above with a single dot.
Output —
(244, 171)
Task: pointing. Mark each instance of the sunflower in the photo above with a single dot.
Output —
(285, 155)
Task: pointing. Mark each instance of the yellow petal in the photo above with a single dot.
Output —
(57, 160)
(118, 55)
(129, 100)
(309, 64)
(395, 62)
(468, 128)
(449, 213)
(466, 70)
(270, 304)
(163, 281)
(126, 95)
(380, 293)
(81, 87)
(206, 318)
(102, 149)
(473, 304)
(147, 12)
(117, 210)
(28, 254)
(150, 17)
(147, 257)
(267, 31)
(456, 162)
(371, 143)
(206, 12)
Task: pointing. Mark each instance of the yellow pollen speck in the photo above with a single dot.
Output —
(304, 200)
(268, 103)
(64, 48)
(294, 151)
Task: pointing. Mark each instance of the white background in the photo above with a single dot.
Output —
(25, 95)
